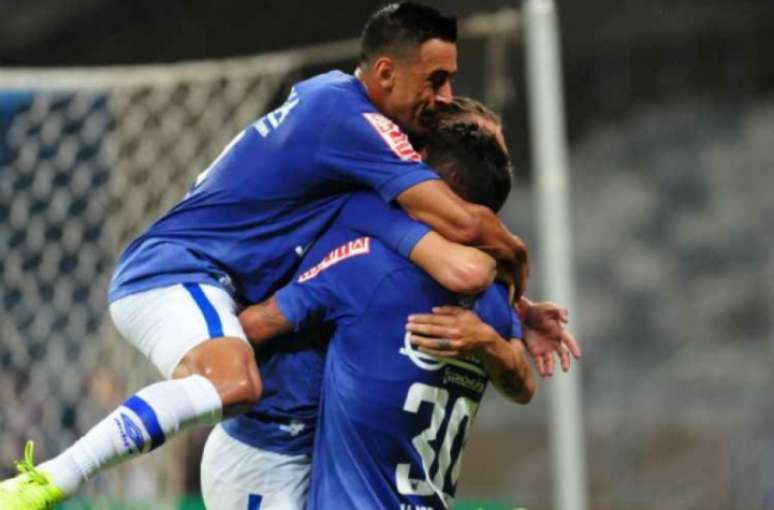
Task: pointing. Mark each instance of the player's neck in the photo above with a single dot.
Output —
(371, 90)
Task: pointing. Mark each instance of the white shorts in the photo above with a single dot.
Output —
(167, 322)
(236, 476)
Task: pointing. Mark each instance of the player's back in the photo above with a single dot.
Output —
(392, 420)
(291, 367)
(270, 193)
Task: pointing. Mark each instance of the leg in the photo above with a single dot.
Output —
(191, 332)
(229, 364)
(236, 475)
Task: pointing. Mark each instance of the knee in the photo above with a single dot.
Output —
(230, 365)
(248, 387)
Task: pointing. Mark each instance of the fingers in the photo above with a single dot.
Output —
(559, 314)
(541, 365)
(568, 340)
(435, 344)
(448, 310)
(549, 365)
(433, 330)
(430, 318)
(564, 359)
(440, 354)
(438, 347)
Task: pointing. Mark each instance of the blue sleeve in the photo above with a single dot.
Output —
(303, 305)
(367, 214)
(369, 150)
(338, 285)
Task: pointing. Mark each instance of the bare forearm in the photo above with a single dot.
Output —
(461, 269)
(434, 203)
(264, 321)
(507, 366)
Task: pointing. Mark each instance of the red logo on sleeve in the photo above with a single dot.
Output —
(395, 139)
(359, 246)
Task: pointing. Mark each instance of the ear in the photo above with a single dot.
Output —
(384, 72)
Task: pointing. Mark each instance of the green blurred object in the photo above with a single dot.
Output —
(192, 503)
(482, 505)
(187, 503)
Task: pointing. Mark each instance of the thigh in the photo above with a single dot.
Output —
(166, 323)
(238, 476)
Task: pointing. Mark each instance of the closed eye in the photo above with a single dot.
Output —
(439, 78)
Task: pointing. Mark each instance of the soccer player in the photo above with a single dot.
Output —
(265, 454)
(545, 334)
(264, 200)
(392, 419)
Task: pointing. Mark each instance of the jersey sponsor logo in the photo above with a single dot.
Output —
(395, 139)
(457, 377)
(360, 246)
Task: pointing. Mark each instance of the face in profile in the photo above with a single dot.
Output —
(421, 82)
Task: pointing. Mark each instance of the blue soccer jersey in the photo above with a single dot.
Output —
(392, 420)
(272, 191)
(291, 367)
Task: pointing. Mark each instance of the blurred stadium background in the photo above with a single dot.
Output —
(670, 116)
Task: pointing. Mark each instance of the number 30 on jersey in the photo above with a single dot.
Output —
(462, 408)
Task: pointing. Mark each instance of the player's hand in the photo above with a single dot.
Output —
(503, 244)
(514, 276)
(450, 332)
(545, 335)
(512, 262)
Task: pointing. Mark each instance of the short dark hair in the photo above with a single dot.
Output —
(463, 107)
(396, 27)
(472, 162)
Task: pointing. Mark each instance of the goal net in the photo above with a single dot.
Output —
(88, 158)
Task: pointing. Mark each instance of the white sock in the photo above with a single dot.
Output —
(142, 423)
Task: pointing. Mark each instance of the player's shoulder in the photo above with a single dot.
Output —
(334, 89)
(345, 254)
(351, 122)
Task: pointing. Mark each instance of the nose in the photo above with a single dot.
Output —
(444, 95)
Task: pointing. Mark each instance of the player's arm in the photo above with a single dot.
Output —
(461, 269)
(369, 150)
(453, 332)
(264, 321)
(302, 302)
(434, 203)
(506, 364)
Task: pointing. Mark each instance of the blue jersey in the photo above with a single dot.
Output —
(272, 191)
(291, 367)
(392, 420)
